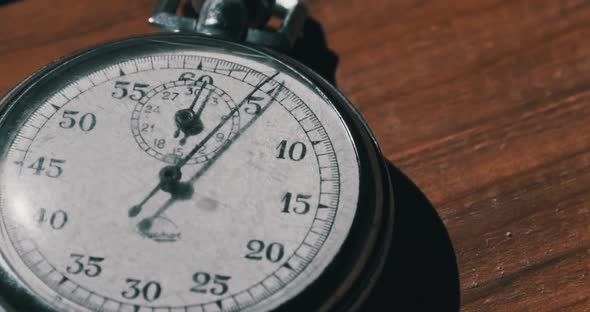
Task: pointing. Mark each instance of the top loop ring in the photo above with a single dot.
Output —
(238, 20)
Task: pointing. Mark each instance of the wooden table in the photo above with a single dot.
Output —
(484, 104)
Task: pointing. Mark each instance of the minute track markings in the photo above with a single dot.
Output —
(101, 76)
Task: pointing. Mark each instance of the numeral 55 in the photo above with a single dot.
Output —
(122, 90)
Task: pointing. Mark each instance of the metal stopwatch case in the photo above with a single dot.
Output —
(198, 170)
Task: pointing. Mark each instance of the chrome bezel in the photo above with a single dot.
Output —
(345, 282)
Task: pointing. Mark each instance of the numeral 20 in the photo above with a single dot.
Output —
(274, 252)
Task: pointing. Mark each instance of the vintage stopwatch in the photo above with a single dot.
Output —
(193, 171)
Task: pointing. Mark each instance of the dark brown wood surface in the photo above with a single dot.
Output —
(484, 104)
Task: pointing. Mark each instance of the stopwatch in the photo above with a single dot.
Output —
(195, 170)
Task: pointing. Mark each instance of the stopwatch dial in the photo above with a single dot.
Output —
(193, 180)
(174, 116)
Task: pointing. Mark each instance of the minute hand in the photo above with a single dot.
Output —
(192, 153)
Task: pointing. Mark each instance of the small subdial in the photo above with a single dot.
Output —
(174, 117)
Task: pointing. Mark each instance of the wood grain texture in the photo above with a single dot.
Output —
(484, 104)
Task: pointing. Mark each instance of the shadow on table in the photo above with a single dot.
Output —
(422, 273)
(3, 2)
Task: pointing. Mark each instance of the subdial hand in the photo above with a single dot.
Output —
(146, 223)
(188, 121)
(229, 116)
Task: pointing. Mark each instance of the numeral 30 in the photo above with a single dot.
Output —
(149, 291)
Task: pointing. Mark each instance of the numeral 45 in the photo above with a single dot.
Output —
(52, 170)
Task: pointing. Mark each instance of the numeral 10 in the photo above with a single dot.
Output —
(57, 220)
(295, 151)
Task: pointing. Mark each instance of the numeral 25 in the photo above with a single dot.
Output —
(202, 280)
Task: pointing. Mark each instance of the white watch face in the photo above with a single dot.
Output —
(192, 180)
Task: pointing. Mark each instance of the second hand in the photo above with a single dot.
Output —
(197, 147)
(146, 223)
(171, 175)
